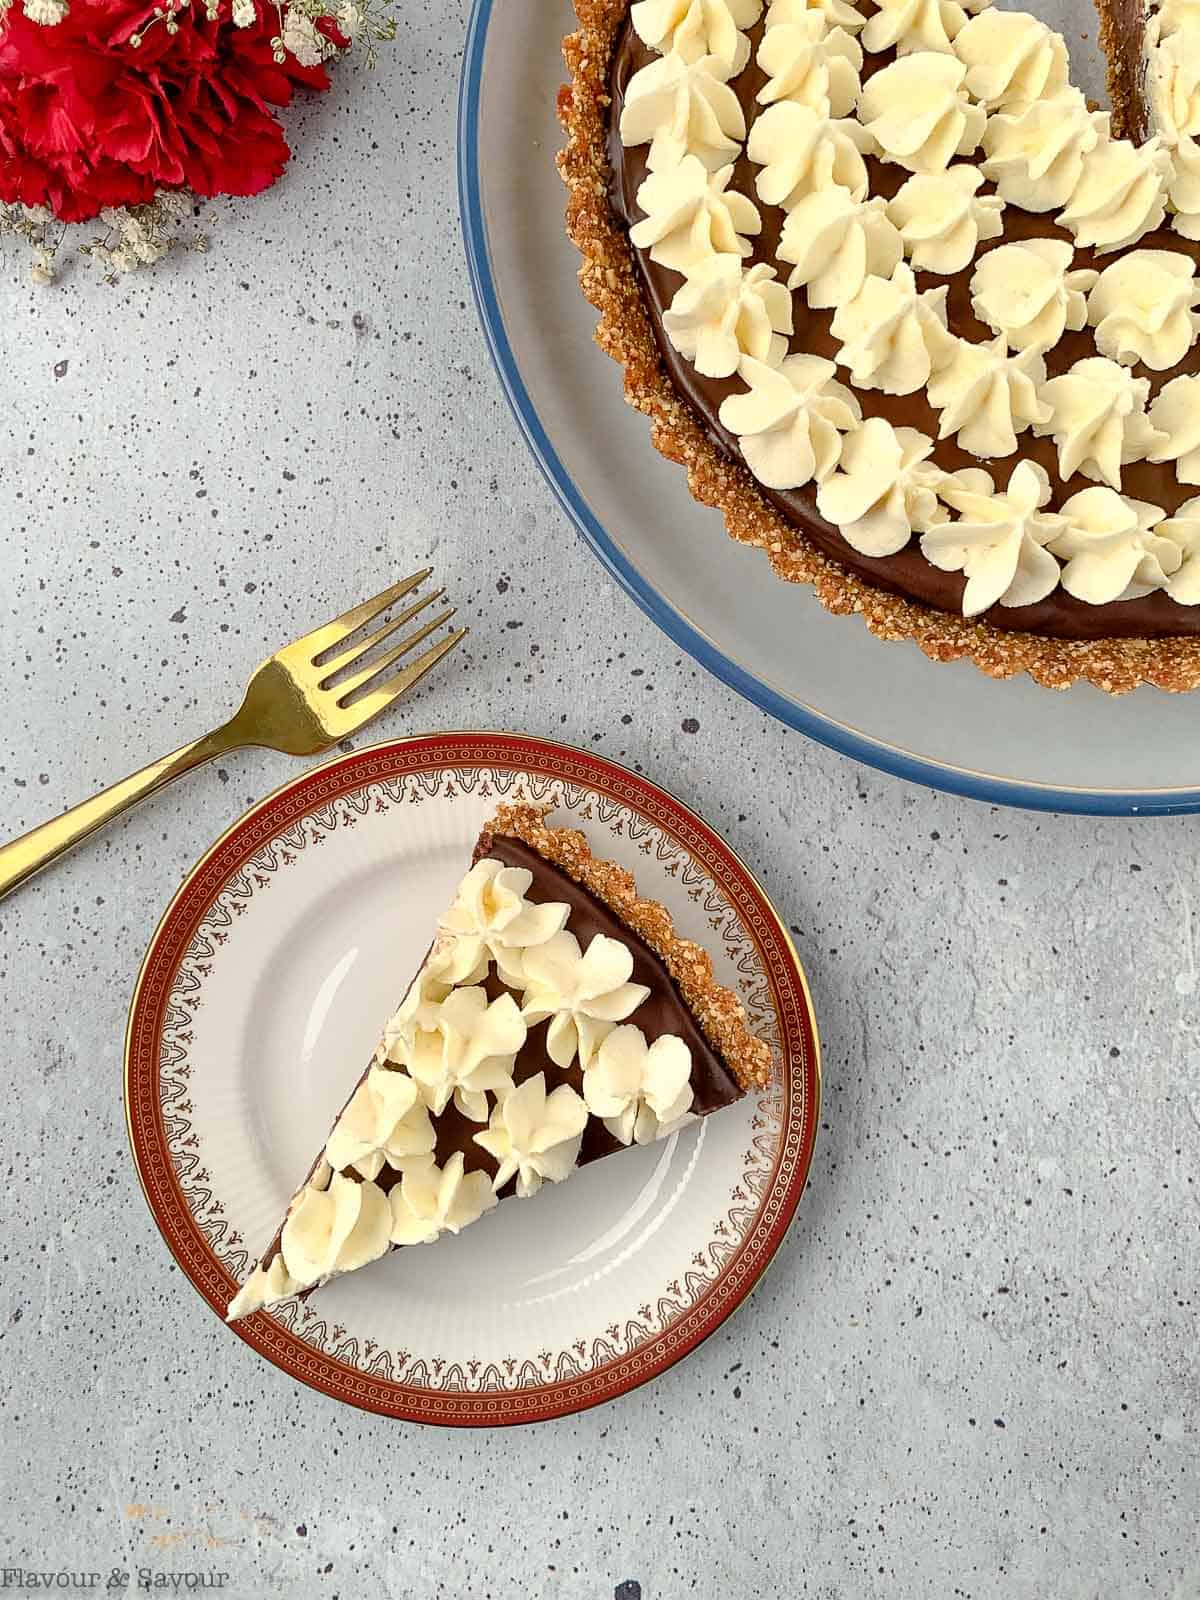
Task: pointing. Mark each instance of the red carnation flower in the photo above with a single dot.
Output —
(89, 120)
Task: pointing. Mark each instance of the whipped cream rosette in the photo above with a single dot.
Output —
(1143, 308)
(811, 64)
(1034, 152)
(491, 919)
(1109, 546)
(386, 1120)
(694, 29)
(429, 1201)
(884, 488)
(722, 314)
(1098, 419)
(919, 113)
(1121, 194)
(680, 108)
(1011, 58)
(641, 1091)
(999, 538)
(987, 396)
(333, 1227)
(893, 336)
(1183, 530)
(693, 215)
(803, 151)
(463, 1048)
(1030, 293)
(835, 242)
(1175, 418)
(790, 421)
(581, 993)
(534, 1136)
(837, 13)
(910, 25)
(942, 218)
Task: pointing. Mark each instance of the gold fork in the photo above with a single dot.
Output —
(291, 704)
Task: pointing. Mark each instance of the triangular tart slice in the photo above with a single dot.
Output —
(557, 1018)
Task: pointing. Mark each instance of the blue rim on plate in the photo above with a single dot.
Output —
(826, 730)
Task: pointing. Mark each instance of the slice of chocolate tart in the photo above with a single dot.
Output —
(556, 1019)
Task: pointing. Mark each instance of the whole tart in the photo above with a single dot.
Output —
(915, 317)
(557, 1019)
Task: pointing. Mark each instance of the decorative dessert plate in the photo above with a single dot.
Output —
(943, 724)
(261, 995)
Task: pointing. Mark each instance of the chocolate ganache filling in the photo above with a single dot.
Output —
(907, 573)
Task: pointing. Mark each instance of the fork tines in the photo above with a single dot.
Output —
(366, 686)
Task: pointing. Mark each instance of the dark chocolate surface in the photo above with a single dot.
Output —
(907, 573)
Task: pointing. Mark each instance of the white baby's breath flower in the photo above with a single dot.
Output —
(245, 13)
(350, 19)
(48, 13)
(301, 38)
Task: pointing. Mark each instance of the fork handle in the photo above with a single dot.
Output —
(20, 859)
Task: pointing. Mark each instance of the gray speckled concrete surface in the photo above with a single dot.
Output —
(972, 1370)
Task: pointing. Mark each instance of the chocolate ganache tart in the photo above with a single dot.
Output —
(557, 1019)
(917, 318)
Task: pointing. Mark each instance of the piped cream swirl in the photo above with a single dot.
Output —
(790, 421)
(910, 25)
(534, 1136)
(691, 215)
(1098, 420)
(837, 13)
(1142, 308)
(884, 488)
(988, 396)
(697, 28)
(919, 113)
(1035, 152)
(1121, 194)
(802, 151)
(836, 242)
(1012, 58)
(429, 1201)
(641, 1091)
(1029, 293)
(682, 108)
(892, 337)
(334, 1229)
(1175, 415)
(1183, 530)
(998, 541)
(1110, 548)
(721, 314)
(811, 64)
(943, 218)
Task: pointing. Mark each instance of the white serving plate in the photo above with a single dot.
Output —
(886, 704)
(262, 997)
